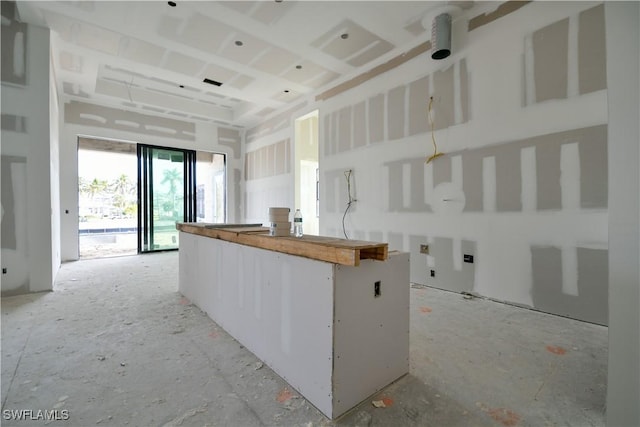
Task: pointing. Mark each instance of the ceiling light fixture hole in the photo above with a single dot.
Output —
(171, 3)
(344, 36)
(181, 86)
(239, 43)
(286, 91)
(298, 67)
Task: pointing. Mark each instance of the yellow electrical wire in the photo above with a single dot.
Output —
(433, 137)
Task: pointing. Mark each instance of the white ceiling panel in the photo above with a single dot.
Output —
(137, 54)
(183, 64)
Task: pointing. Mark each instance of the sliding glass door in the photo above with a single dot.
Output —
(166, 195)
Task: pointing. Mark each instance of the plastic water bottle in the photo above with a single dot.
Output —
(297, 223)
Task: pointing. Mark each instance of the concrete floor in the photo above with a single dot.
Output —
(116, 345)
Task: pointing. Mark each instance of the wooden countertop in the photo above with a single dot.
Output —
(328, 249)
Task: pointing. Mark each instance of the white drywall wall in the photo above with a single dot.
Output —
(498, 113)
(33, 258)
(54, 137)
(623, 67)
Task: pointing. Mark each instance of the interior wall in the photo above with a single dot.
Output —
(27, 243)
(54, 173)
(86, 119)
(623, 69)
(523, 185)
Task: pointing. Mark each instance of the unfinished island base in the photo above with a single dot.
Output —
(336, 333)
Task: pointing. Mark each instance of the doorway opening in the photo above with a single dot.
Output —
(307, 196)
(107, 198)
(211, 182)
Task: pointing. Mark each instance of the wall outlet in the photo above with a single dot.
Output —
(424, 249)
(468, 258)
(376, 289)
(4, 270)
(433, 273)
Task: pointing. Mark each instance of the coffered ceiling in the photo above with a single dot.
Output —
(227, 62)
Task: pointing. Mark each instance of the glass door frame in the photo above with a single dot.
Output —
(145, 193)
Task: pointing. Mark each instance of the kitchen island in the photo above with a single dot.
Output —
(330, 316)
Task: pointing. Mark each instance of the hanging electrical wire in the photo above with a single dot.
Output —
(347, 175)
(433, 137)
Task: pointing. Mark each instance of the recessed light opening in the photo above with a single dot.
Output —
(286, 91)
(344, 36)
(298, 67)
(239, 43)
(212, 82)
(171, 3)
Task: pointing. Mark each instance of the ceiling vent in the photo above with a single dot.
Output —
(212, 82)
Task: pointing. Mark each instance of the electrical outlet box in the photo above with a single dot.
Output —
(4, 270)
(433, 273)
(376, 289)
(468, 258)
(424, 249)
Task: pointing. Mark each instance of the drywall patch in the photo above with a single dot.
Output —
(376, 118)
(267, 161)
(594, 171)
(344, 133)
(415, 202)
(335, 123)
(593, 284)
(592, 143)
(281, 157)
(395, 112)
(472, 180)
(359, 125)
(237, 192)
(591, 303)
(548, 175)
(13, 123)
(418, 103)
(9, 238)
(508, 179)
(326, 137)
(230, 138)
(592, 50)
(271, 160)
(443, 112)
(550, 51)
(13, 68)
(83, 113)
(464, 90)
(566, 58)
(404, 110)
(528, 167)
